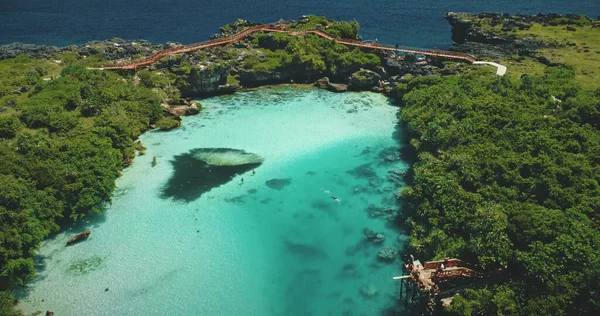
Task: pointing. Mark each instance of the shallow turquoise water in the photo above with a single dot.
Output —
(243, 248)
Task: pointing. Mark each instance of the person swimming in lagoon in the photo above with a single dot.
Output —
(333, 197)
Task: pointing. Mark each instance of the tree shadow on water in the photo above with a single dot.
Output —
(203, 169)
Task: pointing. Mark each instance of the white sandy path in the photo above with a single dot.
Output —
(501, 68)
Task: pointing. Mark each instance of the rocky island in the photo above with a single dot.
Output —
(504, 168)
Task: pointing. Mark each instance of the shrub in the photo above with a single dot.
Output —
(9, 126)
(167, 123)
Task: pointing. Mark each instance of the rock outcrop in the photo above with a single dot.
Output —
(334, 87)
(409, 65)
(112, 49)
(364, 80)
(470, 37)
(33, 51)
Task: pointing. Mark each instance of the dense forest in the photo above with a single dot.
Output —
(506, 176)
(63, 142)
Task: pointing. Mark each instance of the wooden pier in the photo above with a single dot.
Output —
(425, 285)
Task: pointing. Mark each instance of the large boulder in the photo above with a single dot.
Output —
(364, 80)
(324, 83)
(193, 109)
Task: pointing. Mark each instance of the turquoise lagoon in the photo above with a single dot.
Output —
(274, 244)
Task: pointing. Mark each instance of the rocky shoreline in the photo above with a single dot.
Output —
(223, 70)
(493, 34)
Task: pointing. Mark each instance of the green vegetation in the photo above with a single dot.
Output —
(506, 177)
(167, 123)
(233, 80)
(310, 53)
(338, 28)
(574, 42)
(579, 48)
(506, 172)
(63, 142)
(7, 301)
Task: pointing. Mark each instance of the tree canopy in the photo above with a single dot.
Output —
(62, 144)
(506, 176)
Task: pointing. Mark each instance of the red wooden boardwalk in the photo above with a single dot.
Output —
(282, 29)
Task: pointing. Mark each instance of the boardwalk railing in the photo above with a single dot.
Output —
(279, 28)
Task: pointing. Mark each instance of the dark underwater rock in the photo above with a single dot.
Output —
(387, 213)
(278, 184)
(387, 254)
(396, 175)
(306, 251)
(363, 171)
(373, 236)
(202, 169)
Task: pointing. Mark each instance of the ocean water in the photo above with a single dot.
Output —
(418, 23)
(275, 244)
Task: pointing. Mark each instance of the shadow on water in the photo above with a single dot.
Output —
(278, 184)
(325, 206)
(303, 289)
(306, 251)
(202, 169)
(363, 171)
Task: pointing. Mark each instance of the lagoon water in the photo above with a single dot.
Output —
(276, 244)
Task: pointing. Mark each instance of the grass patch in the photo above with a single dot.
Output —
(232, 80)
(580, 49)
(572, 42)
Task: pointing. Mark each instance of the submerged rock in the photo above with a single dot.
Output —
(373, 236)
(387, 254)
(84, 266)
(306, 251)
(368, 291)
(387, 213)
(202, 169)
(396, 175)
(278, 184)
(363, 171)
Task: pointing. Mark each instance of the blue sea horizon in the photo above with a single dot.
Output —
(410, 23)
